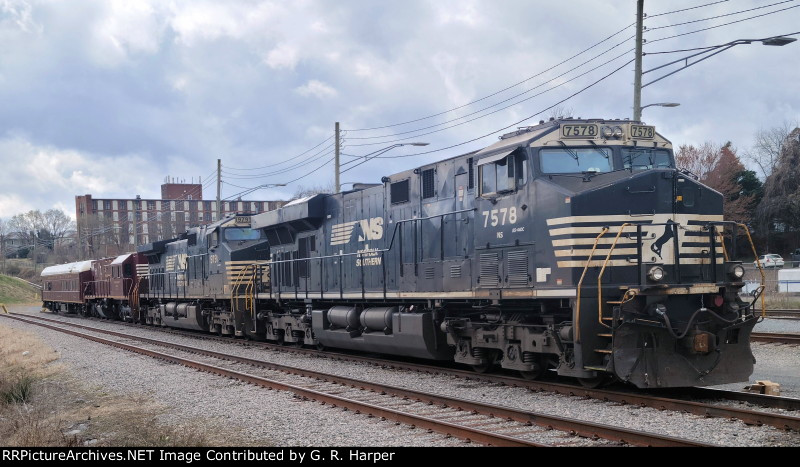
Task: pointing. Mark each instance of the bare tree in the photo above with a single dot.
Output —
(3, 232)
(302, 191)
(781, 202)
(26, 226)
(560, 111)
(57, 223)
(700, 161)
(766, 150)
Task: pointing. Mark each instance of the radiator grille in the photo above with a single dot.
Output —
(455, 271)
(429, 273)
(490, 270)
(518, 268)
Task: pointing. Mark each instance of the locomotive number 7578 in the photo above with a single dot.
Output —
(500, 216)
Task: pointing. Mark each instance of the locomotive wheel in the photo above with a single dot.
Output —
(535, 374)
(539, 368)
(320, 346)
(596, 382)
(491, 357)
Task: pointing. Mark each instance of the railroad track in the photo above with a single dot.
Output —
(783, 313)
(469, 420)
(675, 399)
(774, 337)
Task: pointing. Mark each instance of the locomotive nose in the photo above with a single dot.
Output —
(645, 194)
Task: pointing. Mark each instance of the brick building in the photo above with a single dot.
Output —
(115, 226)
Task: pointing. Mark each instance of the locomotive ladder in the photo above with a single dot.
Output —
(630, 294)
(248, 279)
(606, 337)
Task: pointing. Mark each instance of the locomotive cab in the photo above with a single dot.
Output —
(631, 250)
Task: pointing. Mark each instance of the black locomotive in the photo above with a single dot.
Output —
(572, 245)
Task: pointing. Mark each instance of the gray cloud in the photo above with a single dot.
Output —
(116, 95)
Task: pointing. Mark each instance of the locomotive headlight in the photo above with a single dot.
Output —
(617, 132)
(655, 274)
(607, 132)
(737, 272)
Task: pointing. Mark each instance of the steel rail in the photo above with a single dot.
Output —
(576, 427)
(750, 417)
(464, 432)
(774, 337)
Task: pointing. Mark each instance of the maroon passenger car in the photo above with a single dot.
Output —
(65, 286)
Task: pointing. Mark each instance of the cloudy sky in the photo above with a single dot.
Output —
(110, 97)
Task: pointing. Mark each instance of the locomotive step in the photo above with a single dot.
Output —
(595, 368)
(603, 351)
(604, 335)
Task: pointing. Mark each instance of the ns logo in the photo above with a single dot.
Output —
(370, 229)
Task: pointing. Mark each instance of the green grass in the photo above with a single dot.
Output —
(13, 290)
(18, 390)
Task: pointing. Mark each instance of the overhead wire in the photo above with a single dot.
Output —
(722, 25)
(686, 9)
(287, 160)
(500, 109)
(501, 90)
(299, 163)
(594, 83)
(508, 99)
(719, 16)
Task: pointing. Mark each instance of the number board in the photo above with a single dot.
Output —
(640, 131)
(242, 220)
(579, 131)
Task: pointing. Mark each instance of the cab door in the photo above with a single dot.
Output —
(458, 235)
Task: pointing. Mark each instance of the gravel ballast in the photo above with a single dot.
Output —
(280, 419)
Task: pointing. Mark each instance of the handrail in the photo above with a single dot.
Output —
(235, 287)
(270, 263)
(577, 325)
(760, 269)
(391, 243)
(603, 270)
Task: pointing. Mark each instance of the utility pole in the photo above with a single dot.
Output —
(336, 160)
(637, 79)
(219, 185)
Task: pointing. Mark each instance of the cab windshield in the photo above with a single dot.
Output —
(576, 160)
(645, 159)
(242, 233)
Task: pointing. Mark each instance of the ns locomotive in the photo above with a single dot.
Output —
(574, 246)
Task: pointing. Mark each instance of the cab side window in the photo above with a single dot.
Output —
(504, 175)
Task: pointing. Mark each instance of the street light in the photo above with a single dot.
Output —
(373, 155)
(703, 55)
(659, 104)
(717, 49)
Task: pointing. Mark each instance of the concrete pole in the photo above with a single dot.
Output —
(336, 160)
(219, 186)
(637, 79)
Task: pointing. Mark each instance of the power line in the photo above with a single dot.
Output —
(724, 24)
(300, 163)
(500, 109)
(686, 9)
(505, 100)
(719, 16)
(283, 162)
(252, 189)
(516, 123)
(501, 90)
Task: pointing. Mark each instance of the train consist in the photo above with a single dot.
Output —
(573, 246)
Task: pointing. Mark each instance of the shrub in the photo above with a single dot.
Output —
(17, 390)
